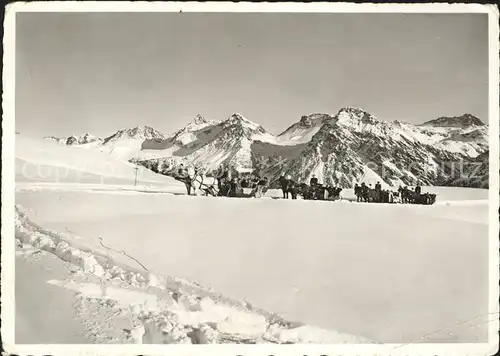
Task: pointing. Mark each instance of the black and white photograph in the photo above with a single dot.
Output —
(284, 174)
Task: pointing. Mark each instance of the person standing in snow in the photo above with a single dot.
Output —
(284, 186)
(314, 181)
(378, 192)
(183, 176)
(357, 192)
(261, 187)
(364, 191)
(234, 188)
(290, 186)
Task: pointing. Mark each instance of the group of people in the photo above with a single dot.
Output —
(233, 187)
(222, 185)
(415, 196)
(226, 185)
(403, 195)
(312, 191)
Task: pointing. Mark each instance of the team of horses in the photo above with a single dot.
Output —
(403, 195)
(312, 192)
(200, 184)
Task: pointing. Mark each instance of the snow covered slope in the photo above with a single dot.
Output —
(304, 130)
(416, 277)
(124, 144)
(44, 161)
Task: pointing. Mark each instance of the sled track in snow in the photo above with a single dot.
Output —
(277, 329)
(123, 253)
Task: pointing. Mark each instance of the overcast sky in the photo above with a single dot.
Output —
(98, 72)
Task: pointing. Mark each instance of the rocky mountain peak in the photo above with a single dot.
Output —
(199, 120)
(138, 132)
(464, 120)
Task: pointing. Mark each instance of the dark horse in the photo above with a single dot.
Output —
(411, 197)
(316, 192)
(333, 193)
(424, 199)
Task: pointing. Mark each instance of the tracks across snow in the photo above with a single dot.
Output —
(168, 310)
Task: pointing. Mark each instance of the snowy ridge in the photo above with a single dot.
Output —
(303, 130)
(349, 147)
(186, 135)
(170, 310)
(136, 133)
(457, 121)
(127, 142)
(354, 146)
(75, 140)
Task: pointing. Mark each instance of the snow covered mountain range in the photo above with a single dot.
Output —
(350, 146)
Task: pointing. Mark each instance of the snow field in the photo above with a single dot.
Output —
(47, 161)
(166, 317)
(325, 264)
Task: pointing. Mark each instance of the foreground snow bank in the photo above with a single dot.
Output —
(170, 310)
(356, 268)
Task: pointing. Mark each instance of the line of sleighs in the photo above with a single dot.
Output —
(317, 191)
(234, 188)
(229, 186)
(403, 195)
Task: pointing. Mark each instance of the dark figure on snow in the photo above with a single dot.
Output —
(261, 187)
(385, 196)
(358, 191)
(364, 192)
(378, 192)
(305, 191)
(320, 192)
(334, 193)
(418, 189)
(292, 188)
(405, 195)
(234, 187)
(224, 175)
(183, 176)
(225, 188)
(284, 185)
(314, 181)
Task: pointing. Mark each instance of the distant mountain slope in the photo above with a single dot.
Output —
(303, 130)
(473, 173)
(354, 146)
(75, 140)
(40, 160)
(465, 120)
(350, 146)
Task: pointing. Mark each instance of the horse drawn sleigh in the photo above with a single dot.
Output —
(403, 195)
